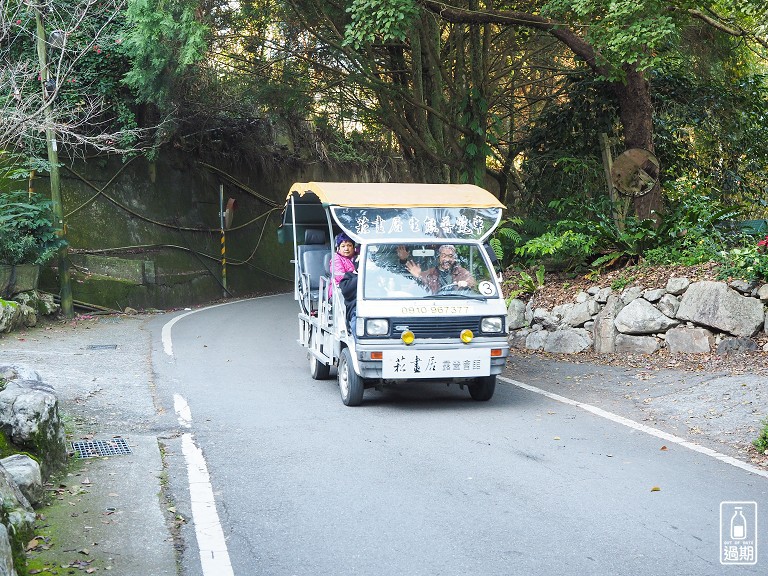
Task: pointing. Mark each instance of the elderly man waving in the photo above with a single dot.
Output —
(447, 275)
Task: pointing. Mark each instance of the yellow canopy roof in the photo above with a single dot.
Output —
(382, 195)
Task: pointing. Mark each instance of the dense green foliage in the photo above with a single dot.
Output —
(162, 39)
(27, 235)
(466, 91)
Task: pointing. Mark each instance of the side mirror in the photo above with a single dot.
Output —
(494, 261)
(491, 254)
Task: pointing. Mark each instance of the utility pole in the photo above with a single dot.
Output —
(65, 284)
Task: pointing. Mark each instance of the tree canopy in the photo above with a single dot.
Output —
(513, 93)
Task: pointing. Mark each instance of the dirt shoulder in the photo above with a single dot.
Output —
(717, 403)
(720, 401)
(105, 513)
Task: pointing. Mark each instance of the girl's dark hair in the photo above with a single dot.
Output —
(341, 237)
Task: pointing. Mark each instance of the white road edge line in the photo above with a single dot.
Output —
(165, 334)
(183, 411)
(214, 556)
(641, 427)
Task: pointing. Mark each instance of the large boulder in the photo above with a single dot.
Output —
(10, 313)
(641, 317)
(668, 305)
(568, 341)
(516, 315)
(536, 339)
(25, 472)
(604, 330)
(42, 303)
(17, 526)
(628, 344)
(581, 313)
(6, 553)
(732, 345)
(676, 286)
(715, 305)
(690, 340)
(15, 314)
(29, 418)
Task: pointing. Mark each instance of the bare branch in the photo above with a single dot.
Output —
(28, 105)
(731, 30)
(567, 36)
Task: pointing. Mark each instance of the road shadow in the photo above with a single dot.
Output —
(436, 396)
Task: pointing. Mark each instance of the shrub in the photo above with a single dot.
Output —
(761, 442)
(695, 229)
(748, 263)
(27, 235)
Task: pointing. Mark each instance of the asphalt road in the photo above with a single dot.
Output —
(421, 480)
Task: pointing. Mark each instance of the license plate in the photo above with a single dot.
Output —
(436, 363)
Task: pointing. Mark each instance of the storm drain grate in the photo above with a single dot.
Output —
(93, 448)
(101, 347)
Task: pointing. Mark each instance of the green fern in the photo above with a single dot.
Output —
(497, 248)
(528, 284)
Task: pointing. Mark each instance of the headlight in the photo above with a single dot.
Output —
(492, 324)
(377, 327)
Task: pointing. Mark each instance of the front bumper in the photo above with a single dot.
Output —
(368, 366)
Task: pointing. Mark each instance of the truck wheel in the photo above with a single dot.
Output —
(350, 383)
(482, 388)
(317, 369)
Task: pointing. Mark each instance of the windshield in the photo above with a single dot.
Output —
(408, 271)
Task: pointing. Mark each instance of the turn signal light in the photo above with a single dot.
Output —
(466, 336)
(377, 355)
(408, 337)
(496, 352)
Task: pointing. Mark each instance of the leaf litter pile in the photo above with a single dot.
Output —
(44, 552)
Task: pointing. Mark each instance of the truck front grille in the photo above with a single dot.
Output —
(441, 327)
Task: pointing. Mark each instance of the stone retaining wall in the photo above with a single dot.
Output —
(33, 444)
(684, 317)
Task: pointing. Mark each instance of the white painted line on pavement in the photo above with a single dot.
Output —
(183, 411)
(641, 427)
(214, 556)
(166, 332)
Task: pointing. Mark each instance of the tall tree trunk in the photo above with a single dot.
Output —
(636, 113)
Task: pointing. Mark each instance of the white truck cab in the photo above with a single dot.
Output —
(424, 302)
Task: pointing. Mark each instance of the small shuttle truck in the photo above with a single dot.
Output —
(427, 304)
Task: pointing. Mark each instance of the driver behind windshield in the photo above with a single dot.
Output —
(447, 275)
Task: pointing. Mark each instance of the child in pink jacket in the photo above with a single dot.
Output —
(343, 260)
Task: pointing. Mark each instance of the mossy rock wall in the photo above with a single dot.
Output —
(146, 234)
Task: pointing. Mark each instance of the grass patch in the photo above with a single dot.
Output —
(761, 442)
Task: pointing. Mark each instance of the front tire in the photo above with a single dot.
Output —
(482, 388)
(351, 385)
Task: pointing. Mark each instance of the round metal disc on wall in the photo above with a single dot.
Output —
(635, 172)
